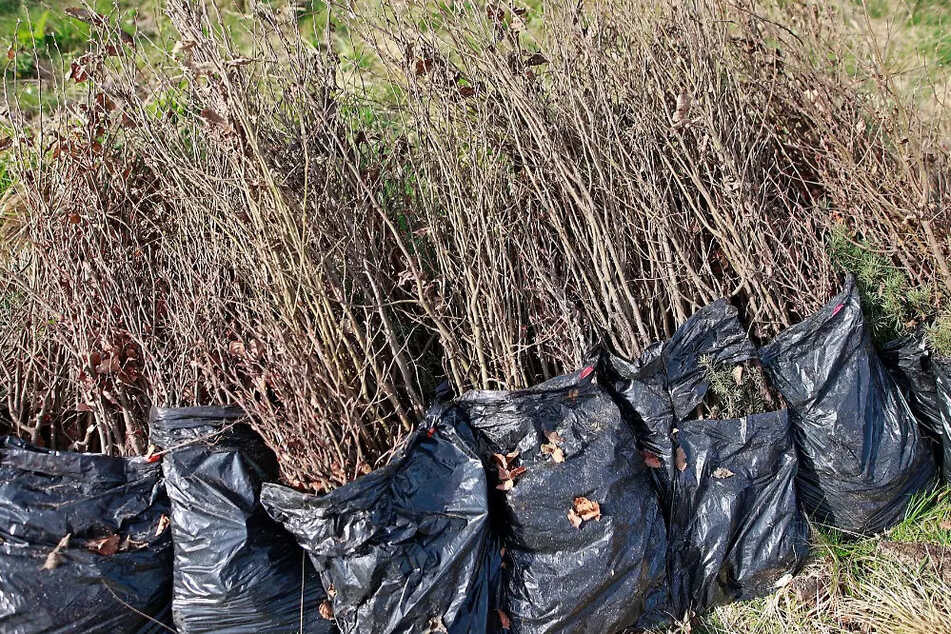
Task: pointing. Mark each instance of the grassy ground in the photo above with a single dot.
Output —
(896, 582)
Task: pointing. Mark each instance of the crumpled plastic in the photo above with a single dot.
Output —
(667, 382)
(406, 548)
(736, 529)
(604, 575)
(860, 452)
(46, 495)
(236, 569)
(924, 379)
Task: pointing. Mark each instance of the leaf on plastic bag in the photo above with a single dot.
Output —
(106, 546)
(651, 459)
(553, 437)
(54, 559)
(587, 509)
(557, 455)
(574, 518)
(501, 460)
(506, 475)
(326, 610)
(680, 459)
(722, 472)
(504, 620)
(163, 523)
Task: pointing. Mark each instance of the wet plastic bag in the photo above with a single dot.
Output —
(117, 561)
(583, 535)
(924, 380)
(667, 383)
(860, 452)
(736, 527)
(236, 569)
(406, 548)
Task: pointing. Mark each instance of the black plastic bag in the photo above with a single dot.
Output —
(562, 572)
(668, 382)
(861, 456)
(407, 548)
(236, 570)
(736, 527)
(917, 371)
(117, 559)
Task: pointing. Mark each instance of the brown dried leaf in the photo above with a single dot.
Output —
(574, 519)
(557, 455)
(536, 59)
(77, 69)
(501, 460)
(504, 620)
(722, 472)
(587, 509)
(215, 119)
(236, 348)
(423, 66)
(512, 455)
(680, 459)
(553, 437)
(84, 15)
(54, 559)
(516, 472)
(162, 525)
(505, 485)
(945, 525)
(326, 610)
(104, 546)
(651, 459)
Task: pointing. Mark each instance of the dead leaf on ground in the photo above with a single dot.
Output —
(553, 437)
(163, 523)
(54, 558)
(722, 472)
(587, 509)
(651, 459)
(106, 546)
(681, 459)
(326, 610)
(504, 620)
(945, 525)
